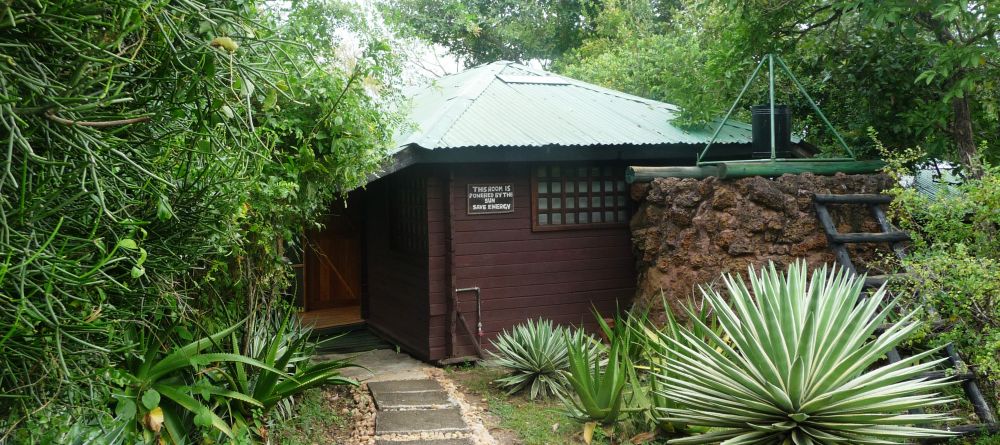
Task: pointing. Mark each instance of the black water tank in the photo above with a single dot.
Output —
(761, 123)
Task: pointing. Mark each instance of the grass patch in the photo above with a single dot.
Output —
(980, 440)
(538, 422)
(318, 418)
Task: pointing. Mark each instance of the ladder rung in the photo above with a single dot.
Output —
(936, 326)
(886, 237)
(957, 376)
(858, 198)
(878, 280)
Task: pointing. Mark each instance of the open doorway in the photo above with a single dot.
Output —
(334, 261)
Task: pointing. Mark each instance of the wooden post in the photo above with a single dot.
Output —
(452, 321)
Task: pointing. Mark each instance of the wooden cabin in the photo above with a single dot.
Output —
(505, 200)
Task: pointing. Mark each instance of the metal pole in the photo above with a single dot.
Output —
(815, 107)
(479, 310)
(730, 112)
(770, 68)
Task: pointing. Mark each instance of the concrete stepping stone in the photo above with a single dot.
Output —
(419, 421)
(464, 441)
(392, 386)
(412, 400)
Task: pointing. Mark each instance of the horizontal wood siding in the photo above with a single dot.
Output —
(559, 275)
(397, 280)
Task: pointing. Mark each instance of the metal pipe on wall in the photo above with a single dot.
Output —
(479, 309)
(743, 169)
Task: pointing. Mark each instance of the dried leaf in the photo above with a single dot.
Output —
(225, 43)
(643, 437)
(588, 432)
(154, 419)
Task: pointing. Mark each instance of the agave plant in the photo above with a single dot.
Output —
(535, 354)
(654, 351)
(794, 366)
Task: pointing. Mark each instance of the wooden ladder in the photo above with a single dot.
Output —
(838, 244)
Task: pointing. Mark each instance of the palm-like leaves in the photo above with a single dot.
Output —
(535, 354)
(290, 350)
(794, 366)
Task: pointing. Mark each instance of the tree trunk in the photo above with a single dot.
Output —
(961, 132)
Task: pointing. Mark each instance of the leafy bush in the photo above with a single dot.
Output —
(535, 352)
(196, 390)
(160, 160)
(793, 365)
(289, 370)
(954, 260)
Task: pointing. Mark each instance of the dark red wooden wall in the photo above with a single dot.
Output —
(397, 279)
(558, 275)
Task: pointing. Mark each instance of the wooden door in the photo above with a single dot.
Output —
(334, 259)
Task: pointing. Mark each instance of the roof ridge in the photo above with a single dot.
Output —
(560, 117)
(446, 118)
(597, 88)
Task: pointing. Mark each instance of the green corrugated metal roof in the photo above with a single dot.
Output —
(508, 104)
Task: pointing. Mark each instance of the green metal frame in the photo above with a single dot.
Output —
(770, 59)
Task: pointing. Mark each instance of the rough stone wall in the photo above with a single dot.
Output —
(689, 232)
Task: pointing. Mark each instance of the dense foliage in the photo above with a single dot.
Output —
(798, 364)
(954, 260)
(919, 72)
(483, 31)
(159, 161)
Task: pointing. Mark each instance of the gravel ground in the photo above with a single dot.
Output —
(363, 430)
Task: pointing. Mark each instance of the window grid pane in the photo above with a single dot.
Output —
(574, 195)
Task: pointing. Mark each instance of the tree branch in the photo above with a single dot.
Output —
(50, 115)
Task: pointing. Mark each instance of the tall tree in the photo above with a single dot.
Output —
(953, 48)
(919, 72)
(484, 31)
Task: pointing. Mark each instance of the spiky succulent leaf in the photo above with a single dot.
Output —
(598, 388)
(794, 365)
(535, 354)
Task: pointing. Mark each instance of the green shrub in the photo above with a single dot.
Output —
(160, 161)
(196, 390)
(535, 353)
(954, 261)
(289, 351)
(793, 365)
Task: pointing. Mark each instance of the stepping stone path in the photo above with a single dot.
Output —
(416, 412)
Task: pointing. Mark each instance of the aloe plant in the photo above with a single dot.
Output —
(598, 391)
(654, 348)
(794, 365)
(598, 395)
